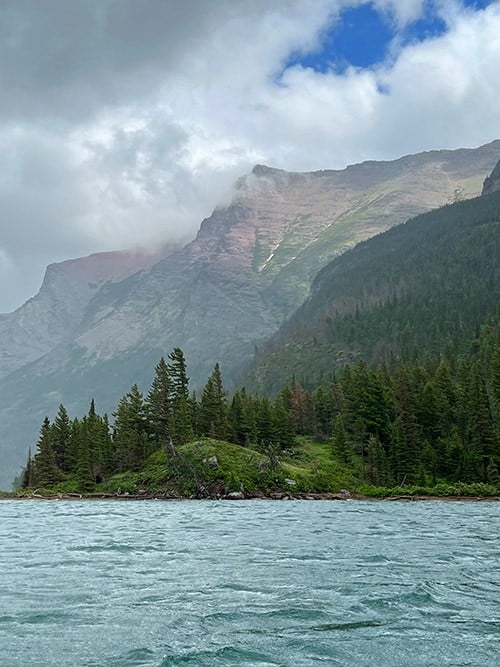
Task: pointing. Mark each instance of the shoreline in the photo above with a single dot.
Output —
(240, 497)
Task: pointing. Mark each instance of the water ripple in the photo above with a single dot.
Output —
(260, 584)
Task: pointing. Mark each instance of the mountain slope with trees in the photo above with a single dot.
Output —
(422, 428)
(421, 290)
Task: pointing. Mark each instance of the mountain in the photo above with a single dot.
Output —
(249, 267)
(53, 316)
(420, 290)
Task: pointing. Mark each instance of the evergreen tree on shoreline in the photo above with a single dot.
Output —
(182, 424)
(159, 409)
(46, 472)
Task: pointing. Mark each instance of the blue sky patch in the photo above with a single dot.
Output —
(361, 37)
(427, 26)
(478, 4)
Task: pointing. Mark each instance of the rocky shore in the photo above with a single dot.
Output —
(241, 496)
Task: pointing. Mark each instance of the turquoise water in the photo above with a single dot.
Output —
(254, 583)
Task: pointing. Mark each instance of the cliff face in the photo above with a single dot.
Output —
(54, 315)
(249, 267)
(492, 182)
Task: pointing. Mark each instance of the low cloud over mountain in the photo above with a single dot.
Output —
(123, 123)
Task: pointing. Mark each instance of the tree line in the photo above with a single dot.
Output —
(408, 423)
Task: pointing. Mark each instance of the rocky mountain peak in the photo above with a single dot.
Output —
(102, 267)
(260, 170)
(55, 313)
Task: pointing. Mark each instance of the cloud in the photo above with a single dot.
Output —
(125, 123)
(402, 12)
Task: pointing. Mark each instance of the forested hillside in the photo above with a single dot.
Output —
(421, 427)
(419, 291)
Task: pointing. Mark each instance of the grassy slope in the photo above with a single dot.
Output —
(311, 465)
(240, 469)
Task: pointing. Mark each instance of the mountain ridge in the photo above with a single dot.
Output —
(52, 316)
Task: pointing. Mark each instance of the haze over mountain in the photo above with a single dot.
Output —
(54, 314)
(248, 269)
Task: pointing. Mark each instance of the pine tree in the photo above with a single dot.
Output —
(205, 420)
(427, 412)
(27, 476)
(265, 426)
(323, 411)
(481, 433)
(242, 418)
(82, 470)
(378, 470)
(159, 408)
(340, 444)
(283, 424)
(194, 414)
(45, 469)
(299, 405)
(429, 461)
(213, 417)
(495, 376)
(97, 435)
(352, 392)
(61, 430)
(373, 407)
(182, 424)
(406, 433)
(446, 399)
(130, 431)
(73, 445)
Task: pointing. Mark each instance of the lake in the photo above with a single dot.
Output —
(254, 583)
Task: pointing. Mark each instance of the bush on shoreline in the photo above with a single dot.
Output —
(459, 489)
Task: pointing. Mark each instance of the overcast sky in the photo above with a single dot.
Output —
(123, 122)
